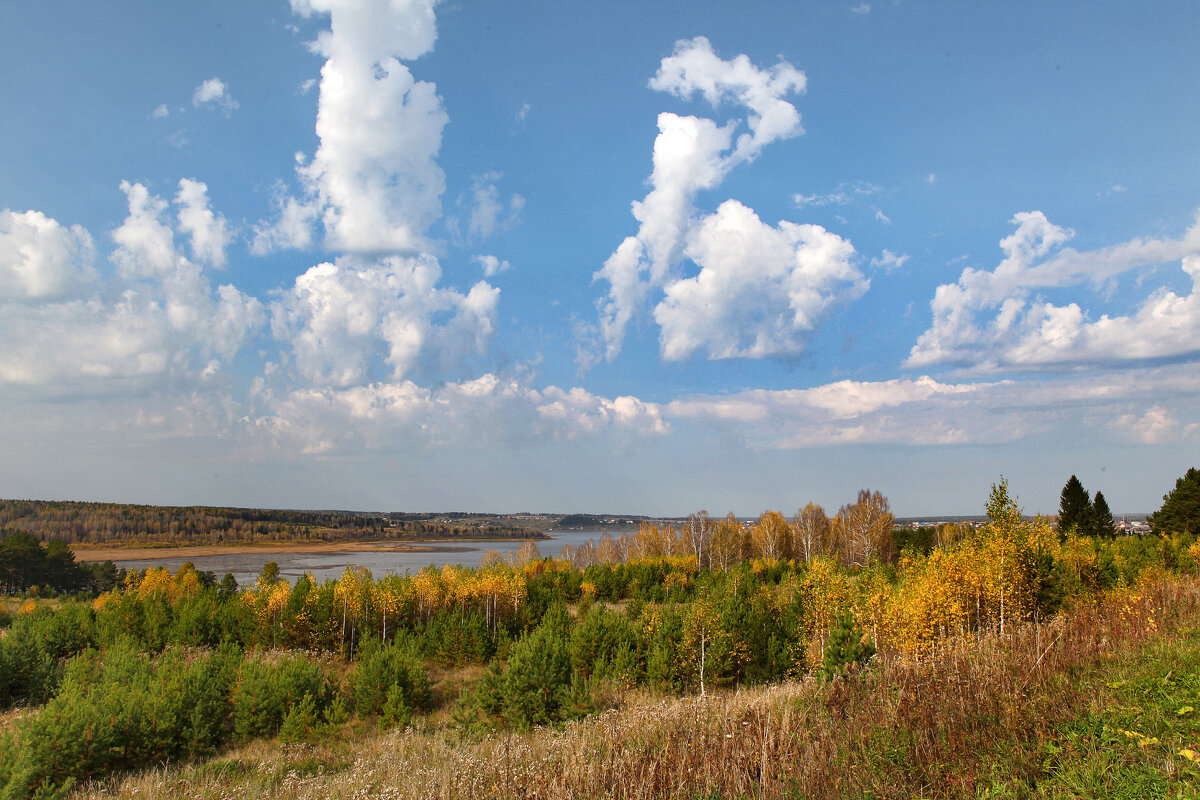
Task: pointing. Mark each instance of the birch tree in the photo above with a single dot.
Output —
(811, 535)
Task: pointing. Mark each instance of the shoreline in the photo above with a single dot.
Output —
(85, 553)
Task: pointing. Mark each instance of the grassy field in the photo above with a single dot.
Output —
(1102, 703)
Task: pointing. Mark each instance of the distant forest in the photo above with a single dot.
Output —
(118, 523)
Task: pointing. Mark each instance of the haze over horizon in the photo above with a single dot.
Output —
(622, 258)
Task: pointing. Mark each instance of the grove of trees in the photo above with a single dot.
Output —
(165, 666)
(1083, 514)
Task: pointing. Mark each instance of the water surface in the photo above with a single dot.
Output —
(247, 566)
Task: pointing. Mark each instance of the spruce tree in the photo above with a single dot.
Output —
(1074, 507)
(1180, 512)
(1102, 518)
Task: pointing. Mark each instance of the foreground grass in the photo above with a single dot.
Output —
(1140, 735)
(1098, 704)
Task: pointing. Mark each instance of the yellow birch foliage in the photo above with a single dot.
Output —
(988, 579)
(873, 604)
(931, 598)
(771, 536)
(828, 592)
(707, 648)
(156, 581)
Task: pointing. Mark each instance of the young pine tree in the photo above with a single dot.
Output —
(846, 647)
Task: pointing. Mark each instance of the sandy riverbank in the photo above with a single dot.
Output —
(85, 553)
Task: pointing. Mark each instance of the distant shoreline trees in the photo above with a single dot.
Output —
(172, 526)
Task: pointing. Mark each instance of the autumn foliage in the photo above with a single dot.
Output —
(711, 605)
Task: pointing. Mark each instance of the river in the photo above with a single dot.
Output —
(247, 566)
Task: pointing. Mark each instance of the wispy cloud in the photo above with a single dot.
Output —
(888, 261)
(846, 194)
(491, 265)
(214, 93)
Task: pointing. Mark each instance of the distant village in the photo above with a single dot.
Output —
(1127, 525)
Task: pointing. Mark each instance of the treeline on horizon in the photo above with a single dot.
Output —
(171, 666)
(76, 522)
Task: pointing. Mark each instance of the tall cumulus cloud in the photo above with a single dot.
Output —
(737, 304)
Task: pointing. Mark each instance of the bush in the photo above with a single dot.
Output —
(29, 672)
(396, 711)
(388, 676)
(301, 723)
(452, 638)
(596, 642)
(845, 648)
(536, 684)
(265, 693)
(121, 711)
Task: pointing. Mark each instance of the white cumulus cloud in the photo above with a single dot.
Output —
(992, 321)
(1147, 405)
(692, 154)
(1153, 426)
(491, 265)
(41, 259)
(208, 230)
(390, 415)
(374, 183)
(888, 261)
(158, 318)
(339, 318)
(761, 291)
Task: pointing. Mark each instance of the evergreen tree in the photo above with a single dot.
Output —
(1180, 512)
(536, 681)
(1102, 518)
(1074, 507)
(845, 648)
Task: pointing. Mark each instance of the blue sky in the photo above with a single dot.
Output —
(625, 256)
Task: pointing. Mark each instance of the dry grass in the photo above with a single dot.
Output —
(13, 717)
(930, 728)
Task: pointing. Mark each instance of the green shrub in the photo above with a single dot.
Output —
(301, 723)
(266, 692)
(385, 670)
(123, 710)
(845, 648)
(597, 640)
(29, 672)
(336, 713)
(396, 712)
(536, 684)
